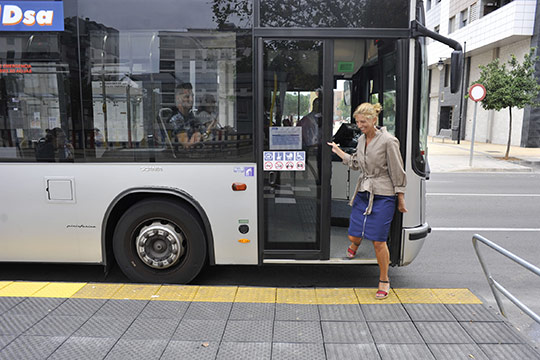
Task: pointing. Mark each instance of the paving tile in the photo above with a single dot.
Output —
(351, 352)
(83, 348)
(509, 352)
(6, 339)
(443, 333)
(191, 350)
(429, 312)
(79, 307)
(395, 333)
(122, 308)
(31, 347)
(385, 312)
(17, 324)
(137, 349)
(250, 311)
(41, 306)
(346, 332)
(404, 352)
(473, 312)
(298, 312)
(57, 325)
(288, 351)
(491, 333)
(7, 303)
(208, 311)
(297, 332)
(204, 330)
(341, 313)
(457, 351)
(244, 351)
(248, 331)
(151, 329)
(164, 310)
(104, 326)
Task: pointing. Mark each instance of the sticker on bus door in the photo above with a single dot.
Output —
(284, 161)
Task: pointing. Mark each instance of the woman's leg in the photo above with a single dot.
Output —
(383, 259)
(355, 243)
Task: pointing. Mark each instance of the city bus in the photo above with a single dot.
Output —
(166, 135)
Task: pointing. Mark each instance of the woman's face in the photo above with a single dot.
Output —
(364, 123)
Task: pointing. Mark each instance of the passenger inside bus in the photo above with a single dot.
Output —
(186, 128)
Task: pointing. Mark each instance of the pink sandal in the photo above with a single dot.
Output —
(351, 253)
(381, 294)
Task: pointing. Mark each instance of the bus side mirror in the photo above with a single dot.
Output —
(456, 70)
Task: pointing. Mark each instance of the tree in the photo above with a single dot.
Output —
(515, 86)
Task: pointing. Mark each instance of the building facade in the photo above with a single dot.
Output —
(488, 29)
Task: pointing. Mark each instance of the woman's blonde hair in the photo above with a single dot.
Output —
(371, 111)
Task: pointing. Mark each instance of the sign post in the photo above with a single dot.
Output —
(477, 93)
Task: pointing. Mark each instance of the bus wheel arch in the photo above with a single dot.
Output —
(181, 212)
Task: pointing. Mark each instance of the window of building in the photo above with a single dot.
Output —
(463, 18)
(437, 29)
(446, 75)
(451, 24)
(428, 5)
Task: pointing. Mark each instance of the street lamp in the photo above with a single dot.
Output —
(440, 64)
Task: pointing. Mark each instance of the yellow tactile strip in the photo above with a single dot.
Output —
(315, 296)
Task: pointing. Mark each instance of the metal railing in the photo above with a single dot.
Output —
(494, 285)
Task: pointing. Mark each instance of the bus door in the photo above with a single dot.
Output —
(294, 105)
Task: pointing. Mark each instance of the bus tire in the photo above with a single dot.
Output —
(159, 241)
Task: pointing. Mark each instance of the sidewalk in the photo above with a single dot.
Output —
(449, 156)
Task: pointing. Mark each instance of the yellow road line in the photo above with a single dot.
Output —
(312, 296)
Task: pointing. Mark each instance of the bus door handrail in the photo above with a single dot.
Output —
(494, 285)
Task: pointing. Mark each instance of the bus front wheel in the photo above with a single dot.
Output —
(159, 241)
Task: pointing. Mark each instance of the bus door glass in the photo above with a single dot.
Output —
(293, 120)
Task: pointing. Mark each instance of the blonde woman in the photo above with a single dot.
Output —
(381, 184)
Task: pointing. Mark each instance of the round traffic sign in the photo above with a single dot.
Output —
(477, 92)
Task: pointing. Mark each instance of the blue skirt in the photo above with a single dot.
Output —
(376, 225)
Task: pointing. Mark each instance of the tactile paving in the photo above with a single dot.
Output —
(104, 326)
(204, 330)
(121, 308)
(22, 288)
(457, 351)
(208, 311)
(57, 325)
(341, 312)
(429, 312)
(248, 311)
(509, 352)
(491, 333)
(443, 333)
(83, 348)
(346, 332)
(59, 290)
(351, 352)
(17, 324)
(248, 331)
(287, 351)
(216, 294)
(136, 292)
(297, 312)
(297, 332)
(176, 293)
(456, 296)
(244, 351)
(79, 307)
(191, 350)
(164, 309)
(97, 291)
(137, 349)
(416, 296)
(255, 295)
(24, 347)
(335, 296)
(385, 312)
(395, 333)
(296, 296)
(6, 339)
(151, 329)
(473, 312)
(404, 352)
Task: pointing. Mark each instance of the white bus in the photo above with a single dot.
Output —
(169, 134)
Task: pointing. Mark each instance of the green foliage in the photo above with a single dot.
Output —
(511, 84)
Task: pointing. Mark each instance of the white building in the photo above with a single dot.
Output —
(488, 29)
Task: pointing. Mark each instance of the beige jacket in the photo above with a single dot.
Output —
(381, 166)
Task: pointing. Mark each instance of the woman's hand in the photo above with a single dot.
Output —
(401, 203)
(335, 147)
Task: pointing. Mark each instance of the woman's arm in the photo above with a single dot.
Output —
(348, 159)
(337, 150)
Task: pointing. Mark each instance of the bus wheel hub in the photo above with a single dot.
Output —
(159, 245)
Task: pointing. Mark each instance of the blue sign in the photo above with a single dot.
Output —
(31, 16)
